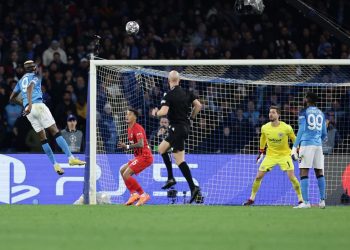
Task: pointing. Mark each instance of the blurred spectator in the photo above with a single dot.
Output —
(251, 114)
(72, 135)
(12, 112)
(108, 129)
(225, 141)
(241, 130)
(63, 109)
(20, 131)
(159, 134)
(48, 55)
(33, 141)
(333, 138)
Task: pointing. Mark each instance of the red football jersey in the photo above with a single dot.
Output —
(134, 135)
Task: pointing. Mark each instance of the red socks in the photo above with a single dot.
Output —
(133, 186)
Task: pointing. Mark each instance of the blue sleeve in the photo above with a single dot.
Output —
(302, 124)
(324, 129)
(17, 88)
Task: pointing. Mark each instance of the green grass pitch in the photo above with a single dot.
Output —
(172, 227)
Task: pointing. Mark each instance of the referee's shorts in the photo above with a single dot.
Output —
(177, 135)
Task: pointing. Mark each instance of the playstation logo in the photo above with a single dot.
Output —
(13, 171)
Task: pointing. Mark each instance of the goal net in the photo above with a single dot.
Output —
(224, 140)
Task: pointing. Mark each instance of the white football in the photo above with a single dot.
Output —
(132, 27)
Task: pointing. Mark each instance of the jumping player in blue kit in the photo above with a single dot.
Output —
(312, 132)
(29, 86)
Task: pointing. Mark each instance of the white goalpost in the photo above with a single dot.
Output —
(224, 139)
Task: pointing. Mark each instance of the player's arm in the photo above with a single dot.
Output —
(197, 106)
(324, 130)
(29, 96)
(262, 146)
(138, 144)
(302, 127)
(163, 111)
(291, 135)
(13, 97)
(263, 140)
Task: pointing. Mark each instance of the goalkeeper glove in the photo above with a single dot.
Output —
(260, 156)
(295, 153)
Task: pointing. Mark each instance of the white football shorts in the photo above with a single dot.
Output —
(40, 117)
(311, 157)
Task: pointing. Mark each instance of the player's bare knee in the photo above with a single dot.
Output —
(53, 130)
(318, 172)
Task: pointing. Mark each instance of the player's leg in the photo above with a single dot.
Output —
(296, 185)
(136, 166)
(306, 158)
(134, 196)
(40, 130)
(255, 188)
(319, 172)
(286, 164)
(64, 146)
(179, 157)
(48, 151)
(266, 165)
(163, 148)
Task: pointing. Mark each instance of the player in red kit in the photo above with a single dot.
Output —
(143, 159)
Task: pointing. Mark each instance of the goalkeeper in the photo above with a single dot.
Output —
(275, 134)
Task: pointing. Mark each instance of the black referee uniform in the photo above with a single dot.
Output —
(180, 102)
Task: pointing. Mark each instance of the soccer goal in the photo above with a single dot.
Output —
(224, 139)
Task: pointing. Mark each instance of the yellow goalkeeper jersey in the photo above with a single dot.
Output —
(276, 139)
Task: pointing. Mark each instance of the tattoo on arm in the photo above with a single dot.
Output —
(139, 144)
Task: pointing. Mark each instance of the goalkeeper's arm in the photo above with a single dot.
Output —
(262, 146)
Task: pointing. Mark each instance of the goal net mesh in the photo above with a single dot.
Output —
(224, 139)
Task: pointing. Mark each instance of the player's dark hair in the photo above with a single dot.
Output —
(278, 110)
(311, 98)
(136, 113)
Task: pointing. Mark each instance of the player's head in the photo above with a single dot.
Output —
(311, 99)
(29, 66)
(274, 113)
(174, 78)
(131, 115)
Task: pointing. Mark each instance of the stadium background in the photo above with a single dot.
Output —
(169, 30)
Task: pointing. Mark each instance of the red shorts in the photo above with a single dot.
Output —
(140, 163)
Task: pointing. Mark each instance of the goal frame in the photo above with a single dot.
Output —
(90, 170)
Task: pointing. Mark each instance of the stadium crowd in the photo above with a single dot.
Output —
(57, 35)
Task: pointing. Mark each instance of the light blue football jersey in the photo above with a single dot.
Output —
(22, 85)
(312, 127)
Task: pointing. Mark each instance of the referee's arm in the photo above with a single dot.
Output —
(197, 106)
(162, 112)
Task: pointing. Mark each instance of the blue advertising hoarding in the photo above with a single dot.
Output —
(224, 179)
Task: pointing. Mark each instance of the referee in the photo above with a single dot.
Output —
(176, 105)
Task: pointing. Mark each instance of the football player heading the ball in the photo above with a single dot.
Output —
(29, 86)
